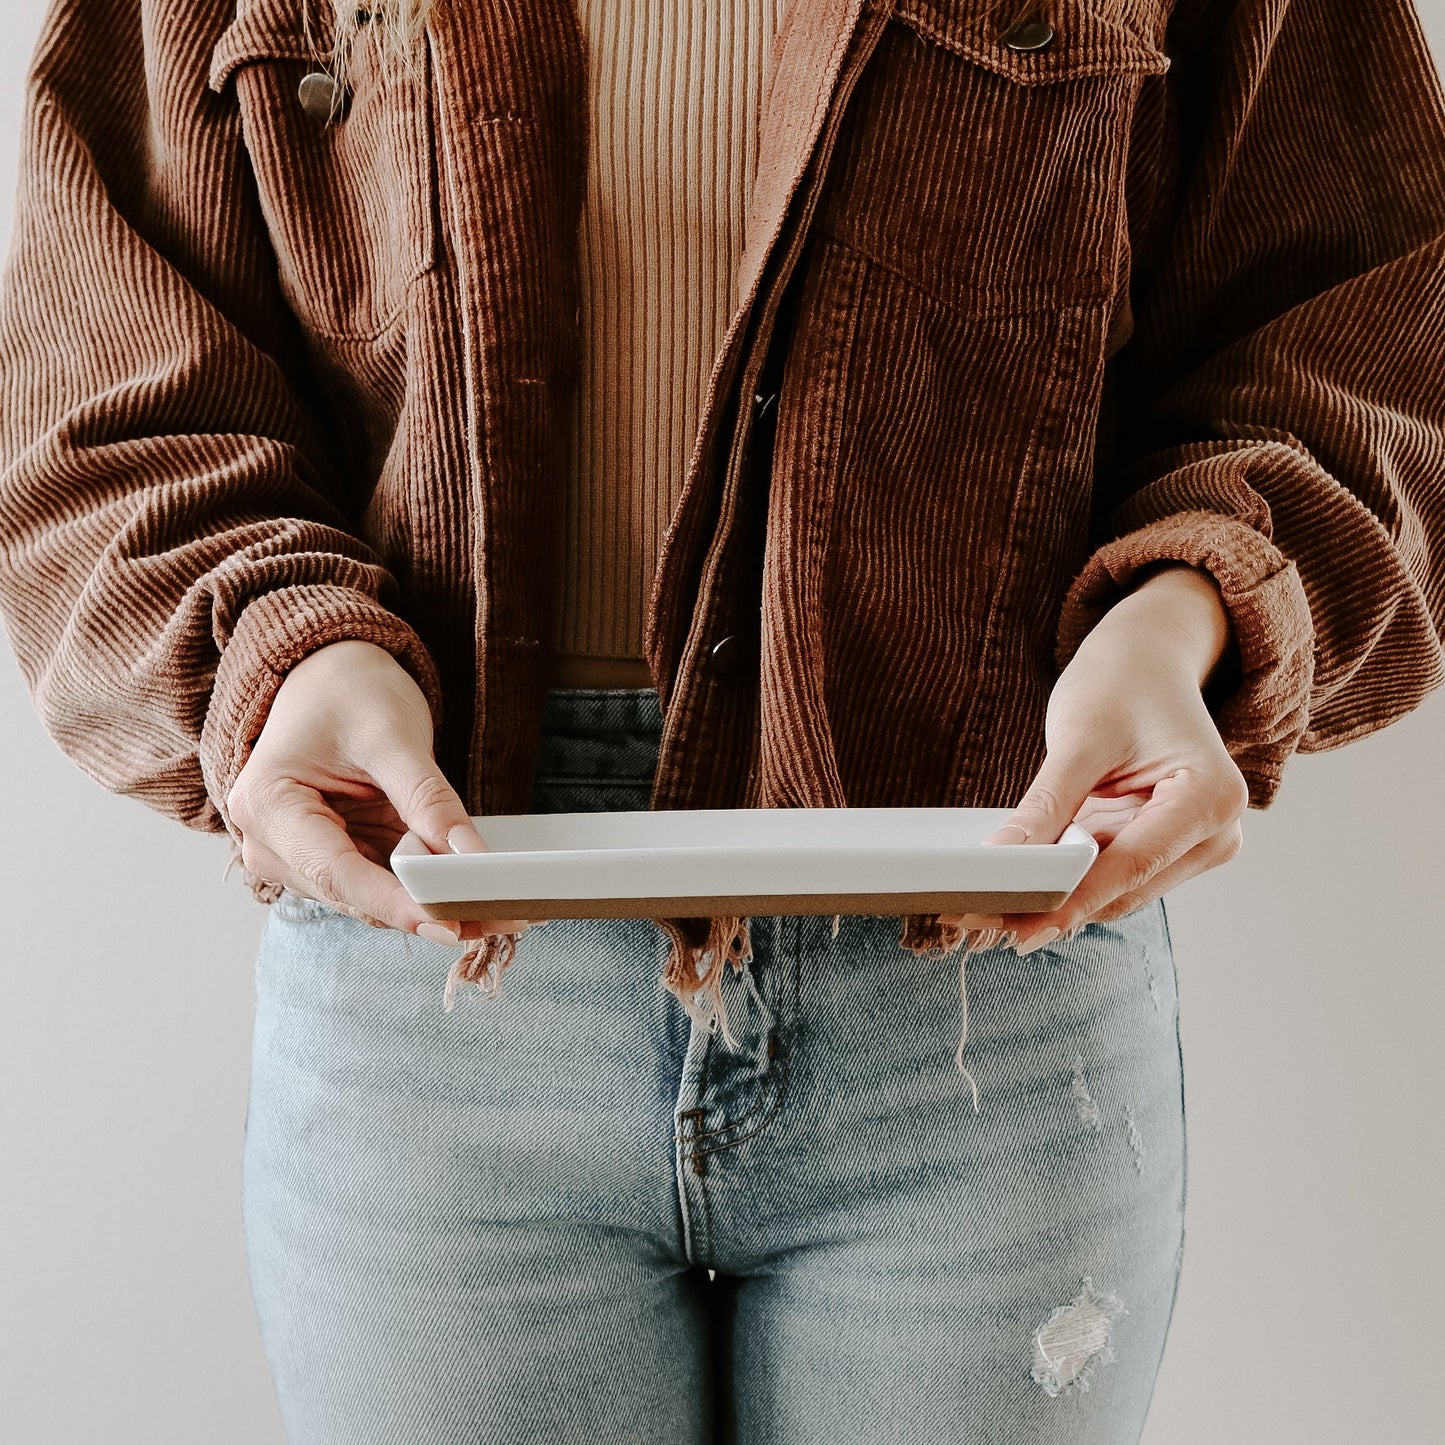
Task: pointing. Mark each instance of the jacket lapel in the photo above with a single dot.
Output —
(806, 60)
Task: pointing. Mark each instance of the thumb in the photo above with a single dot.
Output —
(1057, 792)
(427, 803)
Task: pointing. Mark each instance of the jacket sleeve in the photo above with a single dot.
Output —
(1281, 400)
(172, 537)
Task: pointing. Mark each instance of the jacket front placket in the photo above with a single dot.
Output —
(510, 108)
(706, 613)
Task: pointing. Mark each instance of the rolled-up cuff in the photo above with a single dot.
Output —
(1265, 716)
(272, 634)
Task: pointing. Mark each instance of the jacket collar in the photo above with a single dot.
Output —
(807, 58)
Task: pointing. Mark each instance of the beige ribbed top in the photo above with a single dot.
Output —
(676, 88)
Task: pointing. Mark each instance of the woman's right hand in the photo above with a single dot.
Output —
(341, 769)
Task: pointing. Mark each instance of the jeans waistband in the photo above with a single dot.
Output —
(598, 749)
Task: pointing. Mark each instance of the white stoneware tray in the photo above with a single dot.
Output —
(671, 863)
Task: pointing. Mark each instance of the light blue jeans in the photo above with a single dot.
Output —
(498, 1225)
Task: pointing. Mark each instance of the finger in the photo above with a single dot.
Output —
(1103, 818)
(1185, 810)
(318, 858)
(309, 850)
(425, 801)
(428, 804)
(1068, 920)
(375, 841)
(1211, 853)
(1199, 859)
(973, 920)
(1053, 798)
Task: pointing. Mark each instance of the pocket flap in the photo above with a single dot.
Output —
(1084, 43)
(266, 30)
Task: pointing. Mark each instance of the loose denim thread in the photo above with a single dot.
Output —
(695, 943)
(926, 934)
(723, 938)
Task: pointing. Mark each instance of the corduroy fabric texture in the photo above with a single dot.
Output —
(675, 97)
(1021, 323)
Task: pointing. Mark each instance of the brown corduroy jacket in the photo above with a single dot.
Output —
(1013, 326)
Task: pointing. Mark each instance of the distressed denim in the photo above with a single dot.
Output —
(502, 1224)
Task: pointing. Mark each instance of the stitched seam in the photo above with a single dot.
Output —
(1044, 68)
(1070, 323)
(781, 1075)
(371, 333)
(739, 1119)
(1102, 291)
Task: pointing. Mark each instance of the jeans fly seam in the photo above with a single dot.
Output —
(779, 1075)
(780, 1079)
(705, 1250)
(774, 1102)
(725, 1127)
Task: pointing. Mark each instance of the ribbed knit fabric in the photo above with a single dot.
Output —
(675, 87)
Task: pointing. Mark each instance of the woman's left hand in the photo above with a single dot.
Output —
(1134, 757)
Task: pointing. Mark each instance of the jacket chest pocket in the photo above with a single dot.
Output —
(347, 198)
(992, 177)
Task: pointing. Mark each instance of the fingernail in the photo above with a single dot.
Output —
(437, 933)
(1038, 940)
(464, 838)
(1008, 827)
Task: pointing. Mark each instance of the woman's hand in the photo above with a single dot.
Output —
(342, 768)
(1134, 757)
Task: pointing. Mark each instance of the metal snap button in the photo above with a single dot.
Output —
(320, 96)
(764, 412)
(1030, 35)
(728, 654)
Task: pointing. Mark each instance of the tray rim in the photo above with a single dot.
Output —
(411, 847)
(415, 864)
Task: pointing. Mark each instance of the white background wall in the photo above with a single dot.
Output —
(1313, 998)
